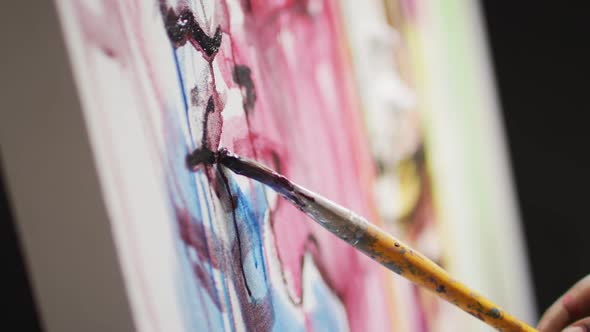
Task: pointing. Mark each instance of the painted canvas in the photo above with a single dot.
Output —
(284, 82)
(266, 79)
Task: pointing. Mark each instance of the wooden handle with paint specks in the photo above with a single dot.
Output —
(398, 257)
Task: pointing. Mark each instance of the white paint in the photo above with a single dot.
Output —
(287, 42)
(325, 82)
(235, 12)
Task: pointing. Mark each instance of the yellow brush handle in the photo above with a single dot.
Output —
(401, 259)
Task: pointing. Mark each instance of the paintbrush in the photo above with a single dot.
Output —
(366, 237)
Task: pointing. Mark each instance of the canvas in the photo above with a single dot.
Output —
(284, 82)
(268, 80)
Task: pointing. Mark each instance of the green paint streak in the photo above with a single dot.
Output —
(466, 96)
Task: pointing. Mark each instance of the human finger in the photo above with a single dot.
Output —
(583, 325)
(573, 305)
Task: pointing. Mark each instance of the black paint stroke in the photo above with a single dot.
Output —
(184, 27)
(242, 75)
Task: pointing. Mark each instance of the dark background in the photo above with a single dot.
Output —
(15, 299)
(541, 54)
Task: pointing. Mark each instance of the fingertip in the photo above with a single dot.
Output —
(555, 318)
(574, 329)
(582, 325)
(571, 305)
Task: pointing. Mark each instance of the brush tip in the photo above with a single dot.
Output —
(201, 156)
(205, 156)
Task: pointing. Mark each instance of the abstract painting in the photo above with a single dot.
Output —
(278, 81)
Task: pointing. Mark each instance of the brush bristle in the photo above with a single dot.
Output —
(201, 156)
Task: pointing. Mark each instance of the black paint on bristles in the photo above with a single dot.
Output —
(201, 156)
(206, 157)
(246, 167)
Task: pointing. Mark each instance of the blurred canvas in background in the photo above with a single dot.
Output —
(443, 179)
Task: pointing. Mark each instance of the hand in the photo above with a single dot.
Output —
(571, 312)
